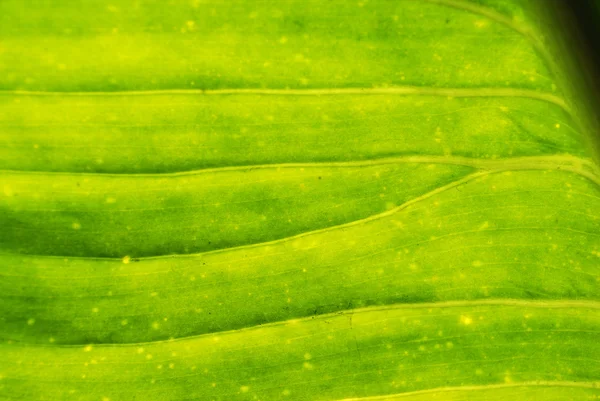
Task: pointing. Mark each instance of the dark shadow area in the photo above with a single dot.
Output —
(580, 20)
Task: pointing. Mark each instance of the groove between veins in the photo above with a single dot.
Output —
(554, 304)
(395, 90)
(583, 167)
(591, 176)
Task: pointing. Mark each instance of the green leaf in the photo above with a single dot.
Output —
(303, 200)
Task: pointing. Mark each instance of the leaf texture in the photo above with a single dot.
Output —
(303, 200)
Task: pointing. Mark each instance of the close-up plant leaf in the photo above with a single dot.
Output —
(303, 200)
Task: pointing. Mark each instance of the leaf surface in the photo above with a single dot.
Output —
(304, 200)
